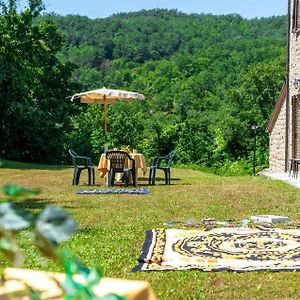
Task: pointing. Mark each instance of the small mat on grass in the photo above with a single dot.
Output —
(118, 191)
(218, 249)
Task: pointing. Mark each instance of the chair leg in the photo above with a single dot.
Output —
(166, 177)
(153, 176)
(112, 178)
(74, 177)
(77, 176)
(150, 176)
(109, 175)
(93, 175)
(89, 175)
(126, 178)
(134, 179)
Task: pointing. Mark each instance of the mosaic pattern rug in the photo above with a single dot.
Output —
(118, 191)
(218, 249)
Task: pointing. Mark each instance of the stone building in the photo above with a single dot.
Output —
(284, 124)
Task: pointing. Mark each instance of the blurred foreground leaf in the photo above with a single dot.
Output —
(55, 225)
(81, 290)
(52, 226)
(73, 288)
(46, 247)
(10, 249)
(113, 297)
(13, 217)
(73, 265)
(17, 192)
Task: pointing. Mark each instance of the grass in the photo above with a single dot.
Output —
(113, 226)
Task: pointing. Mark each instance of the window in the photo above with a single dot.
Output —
(296, 16)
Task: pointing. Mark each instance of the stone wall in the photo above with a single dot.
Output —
(278, 134)
(277, 142)
(294, 74)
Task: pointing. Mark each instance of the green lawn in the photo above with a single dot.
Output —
(113, 226)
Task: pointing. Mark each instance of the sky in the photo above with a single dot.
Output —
(102, 9)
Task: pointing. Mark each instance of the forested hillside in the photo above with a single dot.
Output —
(206, 79)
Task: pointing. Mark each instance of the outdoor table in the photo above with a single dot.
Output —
(140, 163)
(294, 166)
(46, 283)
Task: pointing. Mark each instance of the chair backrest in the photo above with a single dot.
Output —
(73, 157)
(79, 160)
(165, 161)
(170, 157)
(117, 159)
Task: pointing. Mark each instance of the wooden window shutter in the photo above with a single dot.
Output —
(296, 16)
(296, 126)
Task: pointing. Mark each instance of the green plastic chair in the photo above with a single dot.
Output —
(161, 163)
(81, 163)
(117, 165)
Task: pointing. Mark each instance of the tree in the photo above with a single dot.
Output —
(33, 85)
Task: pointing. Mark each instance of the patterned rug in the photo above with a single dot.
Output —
(118, 191)
(218, 249)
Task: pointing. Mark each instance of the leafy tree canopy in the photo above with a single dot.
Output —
(206, 79)
(33, 85)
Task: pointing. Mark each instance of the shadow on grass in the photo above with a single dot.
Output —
(41, 204)
(157, 179)
(36, 203)
(8, 164)
(143, 181)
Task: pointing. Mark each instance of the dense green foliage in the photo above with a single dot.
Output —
(206, 79)
(33, 83)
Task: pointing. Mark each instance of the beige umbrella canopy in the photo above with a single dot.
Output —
(106, 96)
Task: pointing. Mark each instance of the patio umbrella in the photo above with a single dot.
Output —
(106, 96)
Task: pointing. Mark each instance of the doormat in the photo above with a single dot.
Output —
(118, 191)
(219, 249)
